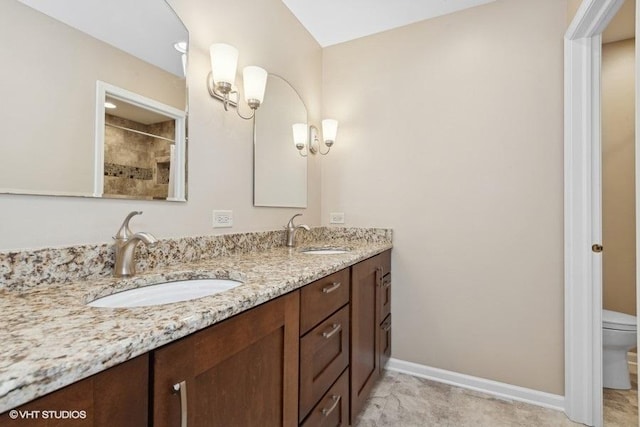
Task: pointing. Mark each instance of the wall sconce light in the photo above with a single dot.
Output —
(221, 79)
(303, 135)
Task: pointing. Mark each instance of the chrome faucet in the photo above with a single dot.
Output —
(291, 230)
(126, 242)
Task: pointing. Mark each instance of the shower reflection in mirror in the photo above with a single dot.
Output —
(140, 147)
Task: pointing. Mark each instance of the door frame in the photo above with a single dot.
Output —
(583, 211)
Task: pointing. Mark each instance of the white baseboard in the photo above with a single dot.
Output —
(494, 388)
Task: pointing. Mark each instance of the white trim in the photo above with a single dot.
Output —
(582, 211)
(493, 388)
(103, 89)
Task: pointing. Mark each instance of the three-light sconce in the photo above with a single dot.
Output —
(220, 83)
(307, 136)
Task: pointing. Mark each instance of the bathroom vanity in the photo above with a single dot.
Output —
(305, 352)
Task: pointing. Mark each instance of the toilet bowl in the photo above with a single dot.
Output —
(618, 337)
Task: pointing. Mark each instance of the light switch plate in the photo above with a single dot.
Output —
(336, 218)
(222, 219)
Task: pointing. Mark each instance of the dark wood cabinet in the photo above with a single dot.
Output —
(115, 397)
(310, 357)
(241, 372)
(370, 299)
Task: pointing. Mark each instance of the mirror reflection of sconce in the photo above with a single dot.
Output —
(182, 48)
(220, 81)
(303, 135)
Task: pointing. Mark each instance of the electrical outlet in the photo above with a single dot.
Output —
(336, 218)
(222, 219)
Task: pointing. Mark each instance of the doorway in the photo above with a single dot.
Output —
(620, 405)
(583, 210)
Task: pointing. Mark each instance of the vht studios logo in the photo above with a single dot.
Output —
(48, 415)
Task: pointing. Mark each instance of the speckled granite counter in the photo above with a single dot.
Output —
(52, 339)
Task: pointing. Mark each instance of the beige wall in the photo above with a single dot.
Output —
(451, 133)
(618, 176)
(220, 144)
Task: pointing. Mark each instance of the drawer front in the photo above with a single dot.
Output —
(333, 408)
(384, 297)
(322, 298)
(384, 342)
(324, 354)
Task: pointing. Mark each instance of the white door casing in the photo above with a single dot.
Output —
(583, 211)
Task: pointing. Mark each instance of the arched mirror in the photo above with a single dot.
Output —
(280, 172)
(60, 56)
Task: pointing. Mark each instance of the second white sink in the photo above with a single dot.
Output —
(165, 293)
(324, 251)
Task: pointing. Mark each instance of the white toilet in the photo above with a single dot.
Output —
(618, 337)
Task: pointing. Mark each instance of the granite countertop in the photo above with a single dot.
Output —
(52, 339)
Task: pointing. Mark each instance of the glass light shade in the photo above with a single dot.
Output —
(224, 63)
(255, 83)
(329, 130)
(300, 135)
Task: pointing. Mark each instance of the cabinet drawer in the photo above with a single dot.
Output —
(333, 408)
(383, 299)
(322, 298)
(384, 341)
(324, 354)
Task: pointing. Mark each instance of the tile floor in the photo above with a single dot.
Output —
(400, 400)
(621, 406)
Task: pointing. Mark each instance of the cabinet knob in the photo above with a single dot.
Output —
(597, 248)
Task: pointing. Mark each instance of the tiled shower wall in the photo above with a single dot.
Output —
(136, 165)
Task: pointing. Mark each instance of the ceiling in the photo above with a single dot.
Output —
(335, 21)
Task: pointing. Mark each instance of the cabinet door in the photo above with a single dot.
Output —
(241, 372)
(115, 397)
(366, 278)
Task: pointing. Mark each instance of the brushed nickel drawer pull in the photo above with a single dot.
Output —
(333, 287)
(386, 327)
(386, 283)
(327, 411)
(334, 330)
(181, 388)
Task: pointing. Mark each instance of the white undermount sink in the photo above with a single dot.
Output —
(324, 251)
(165, 293)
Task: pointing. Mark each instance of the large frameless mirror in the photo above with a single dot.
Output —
(280, 172)
(69, 62)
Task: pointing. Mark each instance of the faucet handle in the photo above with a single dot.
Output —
(125, 233)
(290, 223)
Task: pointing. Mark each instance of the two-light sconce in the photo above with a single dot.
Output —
(220, 83)
(307, 136)
(221, 79)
